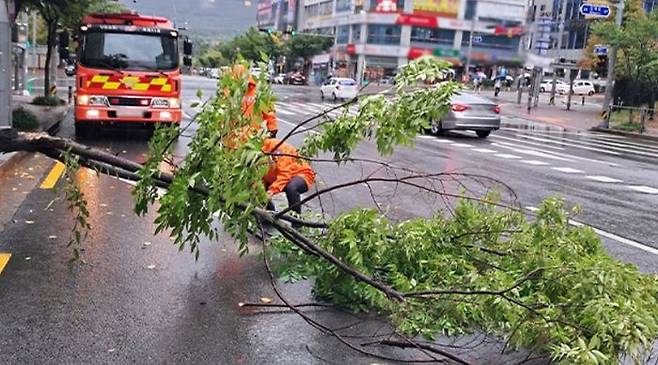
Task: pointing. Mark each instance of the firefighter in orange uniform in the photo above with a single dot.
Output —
(248, 105)
(287, 173)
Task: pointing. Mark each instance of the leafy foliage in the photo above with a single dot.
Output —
(49, 100)
(542, 284)
(24, 120)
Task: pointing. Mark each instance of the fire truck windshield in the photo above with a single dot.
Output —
(129, 51)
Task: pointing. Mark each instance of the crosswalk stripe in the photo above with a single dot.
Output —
(464, 145)
(523, 144)
(567, 170)
(527, 142)
(644, 189)
(484, 150)
(603, 179)
(609, 147)
(530, 152)
(283, 111)
(507, 156)
(535, 162)
(569, 144)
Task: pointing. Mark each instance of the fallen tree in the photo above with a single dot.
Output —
(476, 265)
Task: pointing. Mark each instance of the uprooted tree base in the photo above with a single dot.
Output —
(478, 265)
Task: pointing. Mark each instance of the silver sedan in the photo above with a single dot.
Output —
(469, 112)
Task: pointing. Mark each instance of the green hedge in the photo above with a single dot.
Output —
(48, 101)
(24, 120)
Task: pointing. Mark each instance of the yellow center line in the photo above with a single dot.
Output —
(53, 176)
(4, 259)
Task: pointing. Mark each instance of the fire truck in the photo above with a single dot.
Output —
(128, 71)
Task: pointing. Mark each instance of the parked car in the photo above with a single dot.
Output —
(546, 85)
(297, 79)
(339, 88)
(281, 79)
(581, 87)
(387, 80)
(69, 69)
(214, 73)
(469, 112)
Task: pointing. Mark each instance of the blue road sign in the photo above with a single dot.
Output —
(600, 50)
(477, 39)
(595, 10)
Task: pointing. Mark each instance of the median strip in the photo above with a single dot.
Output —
(53, 176)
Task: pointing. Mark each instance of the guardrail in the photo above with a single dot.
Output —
(629, 118)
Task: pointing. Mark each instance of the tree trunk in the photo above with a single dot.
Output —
(52, 42)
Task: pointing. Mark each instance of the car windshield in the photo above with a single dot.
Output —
(347, 82)
(129, 51)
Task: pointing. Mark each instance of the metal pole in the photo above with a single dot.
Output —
(611, 63)
(470, 42)
(5, 64)
(563, 17)
(35, 59)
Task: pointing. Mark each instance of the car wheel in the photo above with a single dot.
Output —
(435, 128)
(590, 93)
(483, 134)
(321, 95)
(334, 96)
(542, 90)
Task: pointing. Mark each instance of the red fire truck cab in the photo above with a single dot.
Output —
(128, 71)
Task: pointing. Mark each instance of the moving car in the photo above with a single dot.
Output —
(297, 79)
(547, 85)
(280, 79)
(69, 69)
(469, 112)
(339, 88)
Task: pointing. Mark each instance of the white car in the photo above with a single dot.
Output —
(339, 88)
(580, 87)
(547, 85)
(280, 79)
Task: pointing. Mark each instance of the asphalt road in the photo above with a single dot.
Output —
(136, 299)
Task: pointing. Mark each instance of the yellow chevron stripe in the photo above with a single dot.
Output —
(100, 78)
(141, 86)
(166, 88)
(111, 85)
(159, 81)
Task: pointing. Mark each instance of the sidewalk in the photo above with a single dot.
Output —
(49, 119)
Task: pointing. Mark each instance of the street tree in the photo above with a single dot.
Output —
(305, 46)
(476, 263)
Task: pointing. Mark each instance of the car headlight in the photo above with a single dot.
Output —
(93, 100)
(165, 103)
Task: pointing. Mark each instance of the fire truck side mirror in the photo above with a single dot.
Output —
(187, 47)
(187, 61)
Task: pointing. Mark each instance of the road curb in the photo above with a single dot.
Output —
(9, 161)
(626, 134)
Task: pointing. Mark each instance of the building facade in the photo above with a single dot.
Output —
(375, 37)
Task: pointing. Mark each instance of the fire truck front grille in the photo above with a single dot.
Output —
(120, 101)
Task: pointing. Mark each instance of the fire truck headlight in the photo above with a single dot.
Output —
(174, 103)
(93, 100)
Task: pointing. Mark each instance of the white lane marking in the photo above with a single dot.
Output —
(505, 155)
(485, 150)
(524, 143)
(530, 152)
(438, 140)
(535, 162)
(603, 179)
(643, 189)
(283, 111)
(295, 125)
(609, 235)
(569, 144)
(464, 145)
(425, 137)
(568, 170)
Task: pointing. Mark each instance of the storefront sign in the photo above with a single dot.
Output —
(448, 8)
(438, 52)
(351, 49)
(417, 20)
(386, 6)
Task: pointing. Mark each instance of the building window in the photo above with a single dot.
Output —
(342, 34)
(492, 41)
(321, 9)
(432, 35)
(343, 5)
(356, 33)
(471, 5)
(383, 34)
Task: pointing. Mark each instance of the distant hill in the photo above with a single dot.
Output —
(216, 19)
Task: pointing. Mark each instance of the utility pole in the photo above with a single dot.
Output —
(470, 41)
(560, 35)
(5, 66)
(612, 59)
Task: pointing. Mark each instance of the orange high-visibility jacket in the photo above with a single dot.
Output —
(286, 166)
(248, 108)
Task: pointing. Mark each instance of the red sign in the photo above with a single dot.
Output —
(418, 52)
(417, 20)
(351, 49)
(386, 6)
(510, 32)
